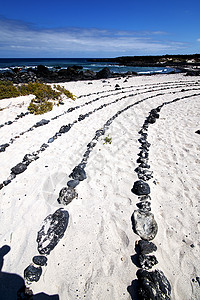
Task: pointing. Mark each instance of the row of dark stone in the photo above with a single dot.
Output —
(21, 115)
(28, 158)
(67, 194)
(152, 285)
(57, 224)
(81, 117)
(146, 86)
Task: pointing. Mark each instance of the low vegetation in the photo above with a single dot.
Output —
(45, 96)
(107, 140)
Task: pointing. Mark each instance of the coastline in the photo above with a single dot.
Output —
(93, 258)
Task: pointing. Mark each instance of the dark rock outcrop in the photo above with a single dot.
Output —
(104, 73)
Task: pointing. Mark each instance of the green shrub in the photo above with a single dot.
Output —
(65, 92)
(8, 90)
(40, 108)
(107, 140)
(44, 94)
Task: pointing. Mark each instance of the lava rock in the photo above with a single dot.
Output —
(41, 123)
(28, 158)
(73, 183)
(51, 140)
(104, 73)
(3, 147)
(151, 120)
(43, 147)
(8, 123)
(66, 195)
(144, 206)
(78, 173)
(142, 160)
(81, 117)
(144, 225)
(99, 133)
(144, 198)
(143, 154)
(19, 168)
(153, 285)
(40, 260)
(71, 109)
(144, 165)
(140, 188)
(6, 182)
(32, 273)
(65, 128)
(146, 247)
(147, 261)
(53, 229)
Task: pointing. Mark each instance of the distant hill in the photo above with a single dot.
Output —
(158, 60)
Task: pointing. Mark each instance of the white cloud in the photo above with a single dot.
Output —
(24, 39)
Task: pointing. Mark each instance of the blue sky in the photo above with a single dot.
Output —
(99, 28)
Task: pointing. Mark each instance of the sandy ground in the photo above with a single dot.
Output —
(93, 259)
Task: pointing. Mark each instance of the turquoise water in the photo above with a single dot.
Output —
(52, 63)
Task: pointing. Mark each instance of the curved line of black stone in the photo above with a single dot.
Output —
(15, 120)
(78, 173)
(149, 282)
(97, 93)
(29, 158)
(58, 221)
(105, 96)
(43, 122)
(181, 82)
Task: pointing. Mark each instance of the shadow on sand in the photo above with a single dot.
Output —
(12, 286)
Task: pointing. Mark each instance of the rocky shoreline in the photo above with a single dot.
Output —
(189, 64)
(43, 74)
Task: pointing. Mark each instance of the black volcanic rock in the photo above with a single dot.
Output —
(32, 273)
(53, 229)
(153, 285)
(40, 260)
(140, 188)
(146, 247)
(144, 225)
(3, 147)
(147, 261)
(19, 168)
(104, 73)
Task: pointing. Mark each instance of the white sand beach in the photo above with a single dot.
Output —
(94, 258)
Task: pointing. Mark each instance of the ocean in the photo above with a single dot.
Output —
(7, 64)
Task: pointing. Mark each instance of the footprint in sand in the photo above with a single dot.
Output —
(52, 186)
